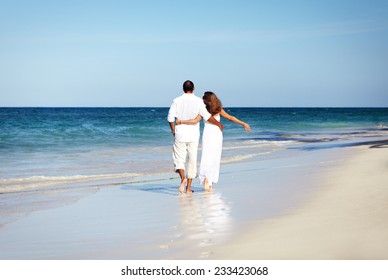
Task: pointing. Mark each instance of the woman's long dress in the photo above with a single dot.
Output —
(211, 152)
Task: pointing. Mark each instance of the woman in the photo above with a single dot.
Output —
(212, 140)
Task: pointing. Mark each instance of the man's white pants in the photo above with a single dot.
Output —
(185, 155)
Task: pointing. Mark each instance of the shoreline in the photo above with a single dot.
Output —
(347, 218)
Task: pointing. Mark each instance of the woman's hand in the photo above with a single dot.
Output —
(247, 127)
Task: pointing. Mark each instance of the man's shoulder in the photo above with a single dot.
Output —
(186, 96)
(196, 98)
(179, 97)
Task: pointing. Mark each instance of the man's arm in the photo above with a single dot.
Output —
(172, 126)
(207, 116)
(171, 117)
(212, 120)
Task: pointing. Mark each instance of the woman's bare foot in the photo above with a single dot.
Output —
(208, 188)
(182, 186)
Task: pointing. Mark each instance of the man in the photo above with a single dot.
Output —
(186, 137)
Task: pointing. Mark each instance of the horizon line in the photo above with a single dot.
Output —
(123, 107)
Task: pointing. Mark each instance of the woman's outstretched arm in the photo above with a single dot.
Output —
(235, 120)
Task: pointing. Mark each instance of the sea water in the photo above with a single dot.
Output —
(69, 150)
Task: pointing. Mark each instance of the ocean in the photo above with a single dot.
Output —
(63, 151)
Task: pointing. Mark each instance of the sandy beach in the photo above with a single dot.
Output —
(346, 219)
(324, 204)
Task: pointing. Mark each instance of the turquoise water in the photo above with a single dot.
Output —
(44, 148)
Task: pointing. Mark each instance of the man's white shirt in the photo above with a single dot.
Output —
(187, 107)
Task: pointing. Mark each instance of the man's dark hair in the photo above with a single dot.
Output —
(188, 86)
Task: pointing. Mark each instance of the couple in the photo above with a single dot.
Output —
(184, 115)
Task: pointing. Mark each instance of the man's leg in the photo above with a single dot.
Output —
(179, 154)
(181, 173)
(192, 149)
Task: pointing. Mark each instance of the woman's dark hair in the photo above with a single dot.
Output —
(188, 86)
(212, 103)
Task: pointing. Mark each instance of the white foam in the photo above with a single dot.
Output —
(242, 157)
(256, 144)
(382, 126)
(41, 182)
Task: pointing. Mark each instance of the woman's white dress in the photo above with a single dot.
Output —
(211, 152)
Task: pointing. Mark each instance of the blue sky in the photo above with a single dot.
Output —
(138, 53)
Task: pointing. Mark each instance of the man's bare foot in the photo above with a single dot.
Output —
(208, 188)
(182, 186)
